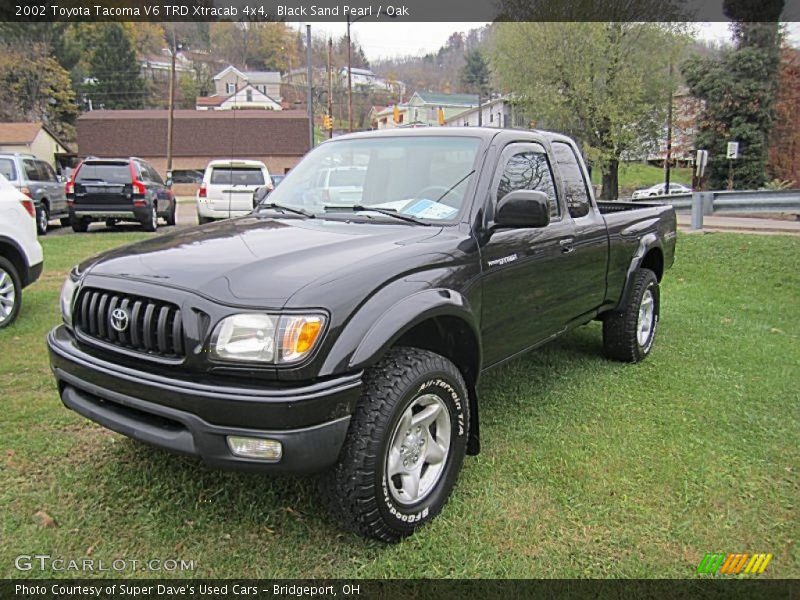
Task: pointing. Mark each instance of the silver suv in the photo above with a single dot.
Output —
(36, 179)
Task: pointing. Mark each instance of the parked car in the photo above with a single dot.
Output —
(338, 185)
(349, 339)
(36, 179)
(21, 257)
(659, 189)
(119, 189)
(263, 191)
(228, 187)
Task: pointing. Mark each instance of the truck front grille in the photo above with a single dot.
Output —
(142, 324)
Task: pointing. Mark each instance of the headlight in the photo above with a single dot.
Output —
(67, 295)
(266, 338)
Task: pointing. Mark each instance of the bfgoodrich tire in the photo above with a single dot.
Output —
(404, 448)
(629, 333)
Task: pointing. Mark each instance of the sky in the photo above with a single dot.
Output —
(388, 40)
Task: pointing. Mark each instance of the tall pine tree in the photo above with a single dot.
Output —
(739, 90)
(115, 81)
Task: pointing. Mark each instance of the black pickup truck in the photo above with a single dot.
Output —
(347, 336)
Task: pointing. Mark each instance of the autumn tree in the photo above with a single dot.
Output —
(34, 87)
(603, 83)
(784, 148)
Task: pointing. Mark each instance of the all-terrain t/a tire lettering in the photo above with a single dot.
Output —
(394, 474)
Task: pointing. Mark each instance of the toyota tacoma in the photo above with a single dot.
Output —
(345, 335)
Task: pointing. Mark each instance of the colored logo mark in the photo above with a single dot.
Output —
(733, 564)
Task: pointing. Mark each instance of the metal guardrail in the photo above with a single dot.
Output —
(701, 204)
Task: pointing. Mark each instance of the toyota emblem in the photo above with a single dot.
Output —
(119, 319)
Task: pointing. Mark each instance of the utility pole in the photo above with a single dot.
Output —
(349, 80)
(309, 96)
(330, 85)
(171, 118)
(668, 157)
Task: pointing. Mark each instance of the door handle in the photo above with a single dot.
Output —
(566, 245)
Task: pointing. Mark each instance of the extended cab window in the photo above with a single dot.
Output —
(575, 191)
(526, 168)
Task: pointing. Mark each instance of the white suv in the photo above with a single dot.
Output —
(227, 188)
(20, 251)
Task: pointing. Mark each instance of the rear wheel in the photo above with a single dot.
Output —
(404, 447)
(629, 333)
(64, 221)
(42, 218)
(170, 217)
(10, 292)
(79, 225)
(150, 222)
(111, 222)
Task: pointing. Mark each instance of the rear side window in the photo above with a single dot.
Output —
(105, 172)
(46, 172)
(7, 169)
(237, 176)
(31, 171)
(577, 196)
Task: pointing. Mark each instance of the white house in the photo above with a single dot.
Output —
(494, 113)
(243, 89)
(245, 98)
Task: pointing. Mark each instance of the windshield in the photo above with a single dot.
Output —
(425, 177)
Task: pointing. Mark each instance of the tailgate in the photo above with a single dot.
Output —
(103, 194)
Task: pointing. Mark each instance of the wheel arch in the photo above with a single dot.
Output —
(649, 255)
(439, 320)
(11, 251)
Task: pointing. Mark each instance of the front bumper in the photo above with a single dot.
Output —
(195, 419)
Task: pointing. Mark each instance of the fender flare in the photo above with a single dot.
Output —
(400, 318)
(648, 242)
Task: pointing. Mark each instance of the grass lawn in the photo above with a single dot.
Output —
(636, 176)
(589, 468)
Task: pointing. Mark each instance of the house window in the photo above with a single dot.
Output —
(249, 95)
(230, 88)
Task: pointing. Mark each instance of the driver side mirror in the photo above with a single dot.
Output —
(523, 209)
(260, 193)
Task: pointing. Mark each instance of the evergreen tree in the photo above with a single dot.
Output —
(475, 74)
(115, 82)
(738, 90)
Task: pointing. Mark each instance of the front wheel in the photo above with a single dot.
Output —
(404, 448)
(629, 333)
(170, 217)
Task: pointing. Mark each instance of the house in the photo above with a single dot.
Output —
(278, 138)
(247, 97)
(265, 90)
(37, 139)
(494, 113)
(368, 79)
(686, 111)
(423, 108)
(157, 67)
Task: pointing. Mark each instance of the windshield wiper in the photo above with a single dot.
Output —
(297, 211)
(454, 186)
(389, 212)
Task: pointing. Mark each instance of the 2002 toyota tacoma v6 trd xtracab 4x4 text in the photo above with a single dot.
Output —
(345, 333)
